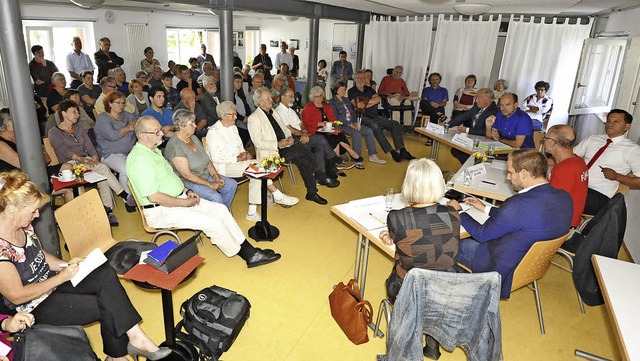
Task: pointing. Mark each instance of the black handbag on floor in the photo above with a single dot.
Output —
(52, 343)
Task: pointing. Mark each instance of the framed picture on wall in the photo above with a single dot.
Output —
(295, 43)
(235, 39)
(273, 43)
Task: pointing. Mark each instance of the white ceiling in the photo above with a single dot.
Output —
(535, 7)
(406, 7)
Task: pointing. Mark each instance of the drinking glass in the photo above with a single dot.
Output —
(467, 178)
(388, 198)
(491, 150)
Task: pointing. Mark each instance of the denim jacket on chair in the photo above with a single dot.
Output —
(454, 308)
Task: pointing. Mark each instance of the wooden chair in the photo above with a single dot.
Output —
(146, 225)
(84, 224)
(538, 140)
(50, 152)
(534, 266)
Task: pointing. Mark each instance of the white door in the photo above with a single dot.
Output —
(598, 76)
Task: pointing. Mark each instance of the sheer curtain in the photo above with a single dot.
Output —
(138, 39)
(549, 52)
(405, 42)
(464, 47)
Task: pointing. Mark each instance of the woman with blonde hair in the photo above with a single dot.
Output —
(426, 234)
(30, 277)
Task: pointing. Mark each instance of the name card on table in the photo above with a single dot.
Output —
(435, 128)
(463, 140)
(476, 170)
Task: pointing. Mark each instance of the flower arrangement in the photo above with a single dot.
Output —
(479, 157)
(79, 170)
(337, 125)
(272, 162)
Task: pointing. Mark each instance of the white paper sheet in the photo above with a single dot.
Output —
(4, 349)
(94, 177)
(93, 260)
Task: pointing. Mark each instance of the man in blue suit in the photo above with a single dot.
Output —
(473, 121)
(538, 212)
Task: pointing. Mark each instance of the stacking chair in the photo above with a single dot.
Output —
(534, 266)
(50, 152)
(150, 229)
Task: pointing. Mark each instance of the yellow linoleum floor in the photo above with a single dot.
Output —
(290, 318)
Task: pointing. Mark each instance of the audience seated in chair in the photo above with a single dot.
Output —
(537, 212)
(434, 98)
(167, 203)
(366, 100)
(539, 106)
(464, 98)
(511, 125)
(610, 168)
(570, 172)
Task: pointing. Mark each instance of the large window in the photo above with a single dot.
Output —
(183, 44)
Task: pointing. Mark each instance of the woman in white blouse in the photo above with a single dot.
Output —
(228, 155)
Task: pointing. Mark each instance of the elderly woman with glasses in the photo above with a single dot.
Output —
(89, 92)
(138, 96)
(115, 137)
(224, 147)
(539, 106)
(316, 115)
(188, 158)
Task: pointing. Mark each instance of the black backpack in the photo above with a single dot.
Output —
(212, 319)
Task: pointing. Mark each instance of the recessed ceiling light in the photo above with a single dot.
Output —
(472, 9)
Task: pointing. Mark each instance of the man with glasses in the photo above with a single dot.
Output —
(366, 100)
(167, 203)
(159, 112)
(106, 59)
(108, 85)
(570, 172)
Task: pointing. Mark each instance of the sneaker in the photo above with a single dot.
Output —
(287, 201)
(346, 165)
(252, 217)
(113, 220)
(359, 165)
(373, 158)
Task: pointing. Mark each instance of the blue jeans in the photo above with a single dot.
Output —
(224, 195)
(356, 139)
(473, 254)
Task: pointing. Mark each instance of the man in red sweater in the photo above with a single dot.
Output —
(570, 172)
(394, 85)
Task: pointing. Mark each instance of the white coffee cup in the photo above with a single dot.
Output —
(66, 175)
(328, 126)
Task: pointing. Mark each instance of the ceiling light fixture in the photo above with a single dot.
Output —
(472, 9)
(290, 18)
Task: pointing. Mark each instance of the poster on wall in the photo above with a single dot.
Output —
(240, 39)
(294, 43)
(273, 43)
(235, 39)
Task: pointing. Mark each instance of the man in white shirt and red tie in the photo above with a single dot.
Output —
(610, 157)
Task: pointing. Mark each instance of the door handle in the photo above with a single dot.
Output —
(581, 85)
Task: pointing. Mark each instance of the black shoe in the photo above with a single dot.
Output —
(262, 257)
(329, 182)
(341, 173)
(404, 154)
(396, 156)
(316, 198)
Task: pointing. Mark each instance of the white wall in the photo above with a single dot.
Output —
(624, 21)
(270, 29)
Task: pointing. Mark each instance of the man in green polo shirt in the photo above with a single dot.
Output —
(167, 203)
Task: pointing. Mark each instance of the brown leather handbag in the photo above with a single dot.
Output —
(352, 314)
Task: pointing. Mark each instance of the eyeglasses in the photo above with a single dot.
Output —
(158, 133)
(191, 122)
(541, 89)
(234, 114)
(544, 137)
(110, 86)
(119, 103)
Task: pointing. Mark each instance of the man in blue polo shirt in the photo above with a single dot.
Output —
(162, 114)
(511, 125)
(434, 98)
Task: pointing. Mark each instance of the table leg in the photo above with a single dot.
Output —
(359, 245)
(263, 231)
(433, 148)
(436, 144)
(167, 311)
(365, 264)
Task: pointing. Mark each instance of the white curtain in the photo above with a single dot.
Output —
(405, 42)
(464, 47)
(138, 39)
(549, 52)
